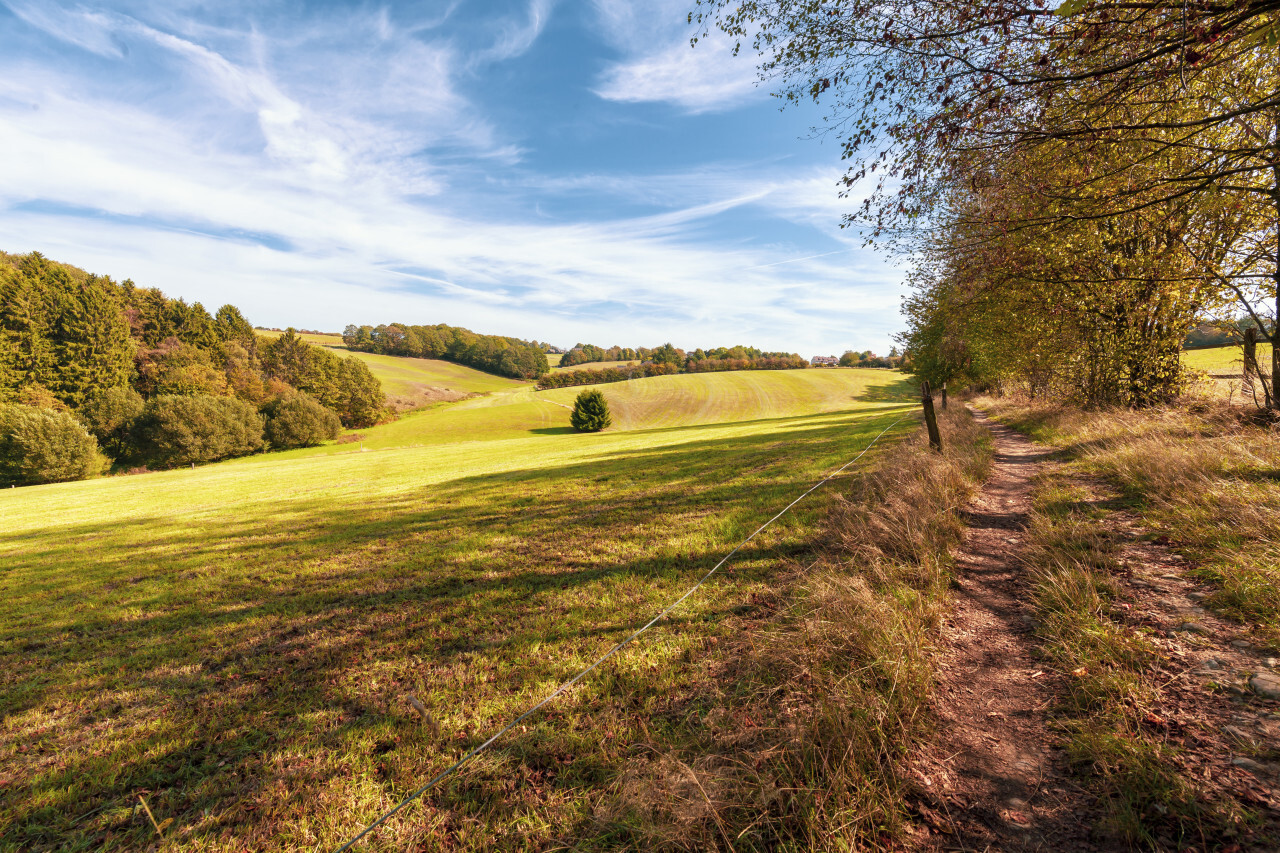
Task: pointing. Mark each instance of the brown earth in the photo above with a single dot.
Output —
(994, 778)
(990, 782)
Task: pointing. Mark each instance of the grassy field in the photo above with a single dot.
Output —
(413, 382)
(333, 341)
(590, 365)
(236, 643)
(656, 402)
(1222, 359)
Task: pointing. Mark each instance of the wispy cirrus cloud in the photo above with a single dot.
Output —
(660, 64)
(516, 36)
(351, 166)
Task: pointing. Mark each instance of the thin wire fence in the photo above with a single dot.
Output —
(453, 768)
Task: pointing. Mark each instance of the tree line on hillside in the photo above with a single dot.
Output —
(867, 358)
(665, 354)
(94, 371)
(667, 361)
(1081, 183)
(1222, 333)
(490, 353)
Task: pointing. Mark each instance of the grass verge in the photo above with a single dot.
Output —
(1204, 477)
(796, 735)
(1110, 716)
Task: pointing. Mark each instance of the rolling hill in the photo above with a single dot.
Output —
(237, 640)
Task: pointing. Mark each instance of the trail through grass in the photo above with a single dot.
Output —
(236, 643)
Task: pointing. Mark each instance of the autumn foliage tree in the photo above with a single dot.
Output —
(1108, 170)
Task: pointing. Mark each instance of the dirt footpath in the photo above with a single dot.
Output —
(990, 782)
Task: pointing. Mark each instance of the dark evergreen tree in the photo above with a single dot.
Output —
(286, 358)
(232, 326)
(91, 340)
(590, 411)
(26, 321)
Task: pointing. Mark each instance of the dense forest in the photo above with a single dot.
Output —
(90, 365)
(490, 353)
(668, 360)
(665, 354)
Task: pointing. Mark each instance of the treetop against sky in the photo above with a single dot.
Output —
(558, 171)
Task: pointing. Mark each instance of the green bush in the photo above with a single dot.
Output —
(182, 430)
(590, 412)
(297, 420)
(44, 446)
(109, 415)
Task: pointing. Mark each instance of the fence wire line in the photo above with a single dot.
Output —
(616, 648)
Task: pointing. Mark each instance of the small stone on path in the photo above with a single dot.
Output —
(1266, 685)
(1238, 733)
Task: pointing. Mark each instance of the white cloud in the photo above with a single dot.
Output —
(659, 64)
(516, 37)
(83, 28)
(299, 177)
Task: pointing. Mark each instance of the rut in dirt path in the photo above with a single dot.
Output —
(989, 782)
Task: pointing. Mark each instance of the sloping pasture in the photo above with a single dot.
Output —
(235, 644)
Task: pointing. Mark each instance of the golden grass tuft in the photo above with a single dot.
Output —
(798, 738)
(1198, 475)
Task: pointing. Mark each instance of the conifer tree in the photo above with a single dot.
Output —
(91, 340)
(590, 412)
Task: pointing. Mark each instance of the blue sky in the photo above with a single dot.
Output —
(565, 171)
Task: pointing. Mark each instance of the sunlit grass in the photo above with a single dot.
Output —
(1222, 359)
(236, 642)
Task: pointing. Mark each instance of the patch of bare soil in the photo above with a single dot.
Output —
(425, 395)
(990, 782)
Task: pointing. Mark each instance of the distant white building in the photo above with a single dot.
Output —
(825, 361)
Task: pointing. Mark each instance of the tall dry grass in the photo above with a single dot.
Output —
(799, 737)
(1205, 476)
(1187, 471)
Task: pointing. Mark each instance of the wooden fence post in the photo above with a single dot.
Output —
(930, 418)
(944, 395)
(1253, 377)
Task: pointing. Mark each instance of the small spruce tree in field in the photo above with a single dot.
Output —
(590, 412)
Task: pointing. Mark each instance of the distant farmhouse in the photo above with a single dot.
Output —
(825, 361)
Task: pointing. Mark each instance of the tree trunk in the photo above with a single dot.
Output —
(930, 417)
(1273, 400)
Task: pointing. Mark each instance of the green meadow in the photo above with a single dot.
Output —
(1222, 359)
(417, 380)
(236, 644)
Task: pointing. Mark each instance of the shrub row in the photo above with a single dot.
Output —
(569, 379)
(39, 445)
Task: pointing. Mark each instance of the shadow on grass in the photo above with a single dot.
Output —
(218, 661)
(901, 391)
